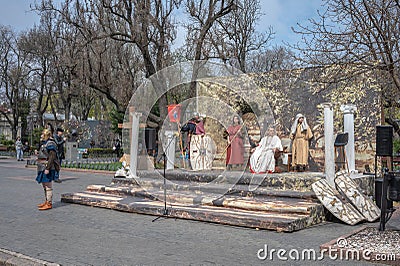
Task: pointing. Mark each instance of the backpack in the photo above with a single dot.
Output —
(189, 127)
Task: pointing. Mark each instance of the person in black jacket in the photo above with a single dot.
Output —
(59, 139)
(117, 147)
(190, 128)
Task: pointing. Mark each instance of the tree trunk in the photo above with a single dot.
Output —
(394, 124)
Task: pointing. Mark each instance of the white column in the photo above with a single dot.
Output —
(134, 143)
(170, 149)
(329, 144)
(348, 112)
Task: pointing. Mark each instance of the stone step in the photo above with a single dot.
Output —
(231, 200)
(282, 202)
(265, 219)
(217, 189)
(286, 181)
(220, 187)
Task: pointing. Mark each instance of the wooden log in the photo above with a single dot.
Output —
(262, 220)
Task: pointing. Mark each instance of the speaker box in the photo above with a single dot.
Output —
(384, 140)
(150, 138)
(394, 188)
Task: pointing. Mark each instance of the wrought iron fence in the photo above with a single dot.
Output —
(99, 163)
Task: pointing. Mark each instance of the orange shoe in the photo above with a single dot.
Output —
(46, 206)
(41, 204)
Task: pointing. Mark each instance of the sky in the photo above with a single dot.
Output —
(280, 14)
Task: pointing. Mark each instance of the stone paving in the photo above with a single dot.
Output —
(71, 234)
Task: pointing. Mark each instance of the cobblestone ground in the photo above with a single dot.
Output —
(71, 234)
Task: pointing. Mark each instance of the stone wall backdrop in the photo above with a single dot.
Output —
(286, 93)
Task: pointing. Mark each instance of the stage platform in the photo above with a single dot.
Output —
(282, 202)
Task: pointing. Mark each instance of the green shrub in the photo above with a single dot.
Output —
(99, 151)
(7, 142)
(396, 146)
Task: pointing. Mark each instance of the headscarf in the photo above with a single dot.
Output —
(304, 125)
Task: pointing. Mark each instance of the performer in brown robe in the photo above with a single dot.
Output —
(235, 150)
(300, 135)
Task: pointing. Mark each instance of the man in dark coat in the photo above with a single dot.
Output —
(59, 140)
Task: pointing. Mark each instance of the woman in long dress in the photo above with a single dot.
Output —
(300, 135)
(235, 150)
(263, 158)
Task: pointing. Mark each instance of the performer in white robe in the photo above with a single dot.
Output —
(263, 158)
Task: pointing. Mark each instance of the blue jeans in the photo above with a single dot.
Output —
(20, 154)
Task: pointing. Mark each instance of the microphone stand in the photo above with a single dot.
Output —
(164, 157)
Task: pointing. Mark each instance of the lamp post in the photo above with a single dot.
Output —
(30, 126)
(32, 120)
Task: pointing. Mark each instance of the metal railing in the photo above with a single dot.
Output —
(102, 163)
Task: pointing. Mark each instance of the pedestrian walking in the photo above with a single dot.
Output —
(19, 147)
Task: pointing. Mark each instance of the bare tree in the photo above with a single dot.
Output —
(54, 52)
(242, 40)
(363, 33)
(145, 24)
(37, 43)
(111, 68)
(276, 58)
(66, 58)
(13, 75)
(203, 15)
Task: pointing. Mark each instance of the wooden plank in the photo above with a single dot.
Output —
(283, 202)
(272, 203)
(262, 220)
